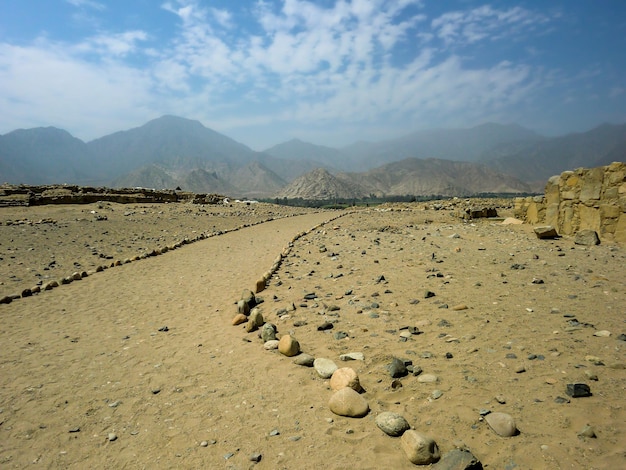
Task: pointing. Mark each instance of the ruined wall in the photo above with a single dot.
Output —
(592, 198)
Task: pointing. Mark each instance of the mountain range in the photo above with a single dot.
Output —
(171, 152)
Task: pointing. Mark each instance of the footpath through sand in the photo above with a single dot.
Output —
(144, 354)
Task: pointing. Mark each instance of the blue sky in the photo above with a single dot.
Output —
(329, 72)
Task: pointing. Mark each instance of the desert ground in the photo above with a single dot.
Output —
(136, 363)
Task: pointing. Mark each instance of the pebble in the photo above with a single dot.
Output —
(578, 390)
(520, 369)
(427, 378)
(271, 344)
(460, 307)
(392, 424)
(353, 356)
(112, 437)
(459, 459)
(419, 448)
(347, 402)
(602, 333)
(289, 346)
(305, 360)
(502, 424)
(436, 394)
(324, 367)
(500, 399)
(345, 377)
(204, 444)
(587, 431)
(268, 332)
(255, 457)
(397, 368)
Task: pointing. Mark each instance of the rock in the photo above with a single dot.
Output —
(512, 221)
(347, 402)
(325, 326)
(546, 232)
(239, 319)
(428, 294)
(578, 390)
(289, 346)
(268, 332)
(243, 308)
(587, 431)
(587, 237)
(602, 333)
(502, 424)
(271, 344)
(324, 367)
(305, 360)
(397, 368)
(345, 377)
(458, 459)
(460, 307)
(353, 356)
(392, 424)
(436, 394)
(255, 320)
(260, 285)
(255, 457)
(428, 378)
(249, 299)
(112, 437)
(419, 448)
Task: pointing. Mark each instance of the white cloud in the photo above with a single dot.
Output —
(87, 3)
(485, 22)
(305, 65)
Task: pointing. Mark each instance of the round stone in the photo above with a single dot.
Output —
(289, 346)
(392, 424)
(428, 378)
(271, 344)
(419, 448)
(345, 377)
(502, 424)
(324, 367)
(304, 359)
(347, 402)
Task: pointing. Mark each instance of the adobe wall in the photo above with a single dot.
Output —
(593, 198)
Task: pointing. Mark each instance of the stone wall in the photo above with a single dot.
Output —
(592, 198)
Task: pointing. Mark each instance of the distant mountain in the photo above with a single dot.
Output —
(43, 155)
(424, 177)
(174, 141)
(448, 144)
(319, 155)
(536, 162)
(319, 184)
(171, 151)
(412, 176)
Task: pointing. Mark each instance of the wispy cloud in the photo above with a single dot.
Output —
(485, 22)
(87, 3)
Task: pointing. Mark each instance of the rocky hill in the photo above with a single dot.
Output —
(319, 184)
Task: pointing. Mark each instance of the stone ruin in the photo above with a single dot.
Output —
(583, 199)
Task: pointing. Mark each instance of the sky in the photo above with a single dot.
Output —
(330, 72)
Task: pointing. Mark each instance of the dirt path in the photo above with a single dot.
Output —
(90, 355)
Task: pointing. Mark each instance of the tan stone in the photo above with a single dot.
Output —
(589, 218)
(289, 346)
(347, 402)
(592, 184)
(419, 448)
(239, 319)
(609, 211)
(345, 377)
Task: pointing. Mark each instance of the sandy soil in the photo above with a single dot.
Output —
(94, 356)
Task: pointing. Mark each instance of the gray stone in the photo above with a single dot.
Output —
(397, 368)
(587, 237)
(458, 459)
(392, 424)
(255, 320)
(587, 431)
(419, 448)
(428, 378)
(502, 424)
(271, 345)
(305, 360)
(324, 367)
(268, 332)
(578, 390)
